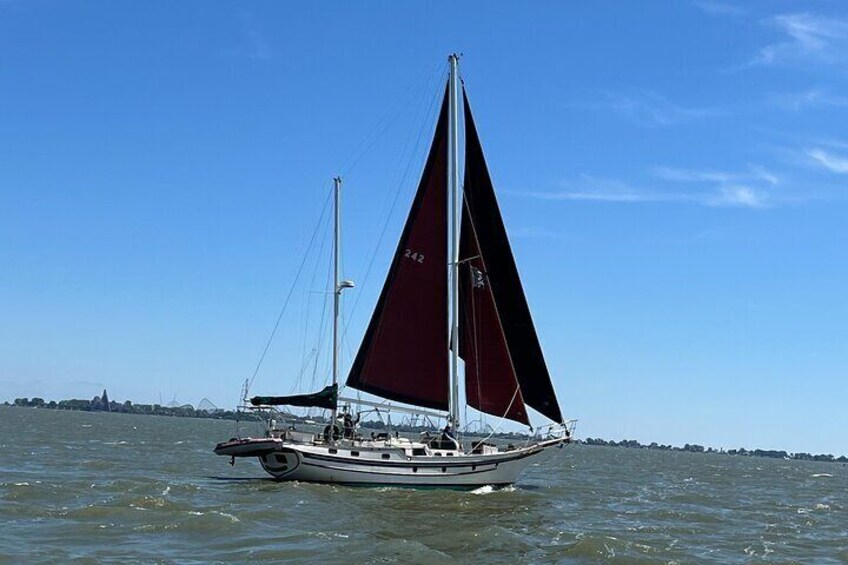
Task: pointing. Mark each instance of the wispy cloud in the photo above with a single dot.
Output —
(810, 98)
(650, 109)
(727, 188)
(737, 195)
(809, 37)
(603, 196)
(719, 8)
(754, 173)
(589, 188)
(830, 161)
(764, 174)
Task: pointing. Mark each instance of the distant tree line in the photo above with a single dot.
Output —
(694, 448)
(103, 404)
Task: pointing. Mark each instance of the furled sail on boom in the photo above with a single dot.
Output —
(327, 398)
(403, 356)
(506, 340)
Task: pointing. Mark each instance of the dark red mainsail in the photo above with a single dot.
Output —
(490, 383)
(508, 301)
(403, 356)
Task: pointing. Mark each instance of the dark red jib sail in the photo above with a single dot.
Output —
(490, 383)
(509, 302)
(403, 356)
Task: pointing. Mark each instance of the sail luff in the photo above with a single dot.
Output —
(403, 355)
(525, 351)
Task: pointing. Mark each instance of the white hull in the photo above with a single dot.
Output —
(316, 463)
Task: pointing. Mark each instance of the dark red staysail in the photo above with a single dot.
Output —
(501, 274)
(490, 383)
(403, 355)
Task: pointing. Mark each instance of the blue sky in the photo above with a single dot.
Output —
(674, 177)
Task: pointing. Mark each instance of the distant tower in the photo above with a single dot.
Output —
(105, 400)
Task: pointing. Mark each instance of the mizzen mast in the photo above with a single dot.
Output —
(337, 186)
(338, 285)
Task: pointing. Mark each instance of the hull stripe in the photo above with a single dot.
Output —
(491, 468)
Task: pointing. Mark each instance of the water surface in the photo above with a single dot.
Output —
(94, 487)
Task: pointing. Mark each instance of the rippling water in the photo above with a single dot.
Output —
(111, 487)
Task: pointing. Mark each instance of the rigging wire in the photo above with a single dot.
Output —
(318, 265)
(503, 418)
(305, 359)
(309, 292)
(387, 120)
(323, 330)
(288, 296)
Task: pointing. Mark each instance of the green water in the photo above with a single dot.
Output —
(95, 488)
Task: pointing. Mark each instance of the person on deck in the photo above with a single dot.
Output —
(348, 425)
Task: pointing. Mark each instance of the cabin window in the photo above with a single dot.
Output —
(418, 451)
(474, 467)
(449, 454)
(438, 454)
(333, 450)
(354, 454)
(415, 469)
(444, 469)
(386, 456)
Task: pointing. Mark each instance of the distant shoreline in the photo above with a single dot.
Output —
(694, 448)
(103, 404)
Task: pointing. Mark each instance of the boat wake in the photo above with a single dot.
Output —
(489, 489)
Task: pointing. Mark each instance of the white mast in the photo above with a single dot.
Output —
(338, 285)
(337, 289)
(455, 203)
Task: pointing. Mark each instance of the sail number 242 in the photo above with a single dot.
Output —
(415, 256)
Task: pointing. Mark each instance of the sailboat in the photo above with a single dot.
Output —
(452, 292)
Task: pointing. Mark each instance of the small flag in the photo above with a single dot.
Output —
(478, 278)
